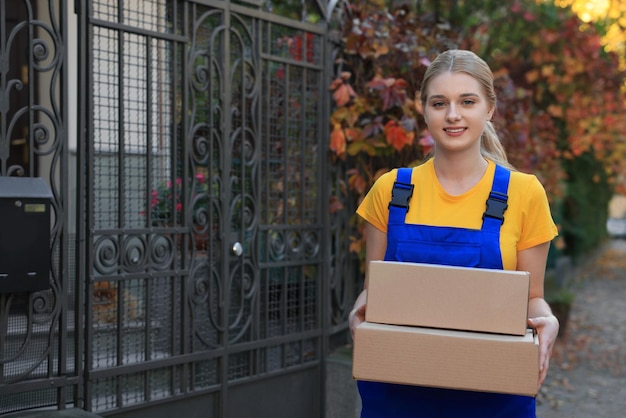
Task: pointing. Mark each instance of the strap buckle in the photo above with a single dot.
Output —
(496, 206)
(401, 195)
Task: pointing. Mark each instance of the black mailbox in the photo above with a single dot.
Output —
(24, 234)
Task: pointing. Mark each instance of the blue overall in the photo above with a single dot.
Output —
(448, 246)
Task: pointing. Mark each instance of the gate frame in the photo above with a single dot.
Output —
(330, 328)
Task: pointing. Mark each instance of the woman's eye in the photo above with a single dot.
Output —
(468, 102)
(438, 104)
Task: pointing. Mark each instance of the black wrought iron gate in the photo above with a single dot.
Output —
(208, 259)
(196, 268)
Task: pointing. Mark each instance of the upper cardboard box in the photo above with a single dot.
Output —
(458, 298)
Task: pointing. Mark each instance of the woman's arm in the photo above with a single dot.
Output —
(533, 260)
(375, 248)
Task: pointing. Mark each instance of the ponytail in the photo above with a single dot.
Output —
(491, 147)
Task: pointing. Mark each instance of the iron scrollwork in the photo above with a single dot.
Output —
(210, 143)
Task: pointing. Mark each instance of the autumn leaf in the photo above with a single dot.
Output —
(355, 148)
(408, 123)
(342, 91)
(335, 205)
(556, 111)
(357, 182)
(353, 135)
(372, 127)
(337, 140)
(396, 136)
(380, 49)
(547, 71)
(377, 83)
(392, 91)
(532, 76)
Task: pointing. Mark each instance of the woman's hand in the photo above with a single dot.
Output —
(533, 260)
(547, 328)
(357, 315)
(374, 250)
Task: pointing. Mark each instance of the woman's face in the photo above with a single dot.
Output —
(456, 110)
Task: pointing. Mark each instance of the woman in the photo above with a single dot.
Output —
(447, 211)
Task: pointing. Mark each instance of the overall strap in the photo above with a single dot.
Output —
(400, 196)
(493, 218)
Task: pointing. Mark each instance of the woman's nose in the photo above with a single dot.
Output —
(453, 113)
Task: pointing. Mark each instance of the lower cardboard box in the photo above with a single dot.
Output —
(461, 360)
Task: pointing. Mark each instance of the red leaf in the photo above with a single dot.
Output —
(337, 140)
(358, 183)
(396, 136)
(334, 205)
(392, 91)
(343, 94)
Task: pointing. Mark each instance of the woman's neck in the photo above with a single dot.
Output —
(458, 175)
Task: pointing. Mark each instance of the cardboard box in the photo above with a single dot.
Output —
(460, 298)
(447, 359)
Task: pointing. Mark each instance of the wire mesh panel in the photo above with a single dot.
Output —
(139, 254)
(290, 228)
(205, 205)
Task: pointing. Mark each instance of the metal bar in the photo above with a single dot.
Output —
(148, 283)
(35, 385)
(120, 188)
(4, 136)
(227, 196)
(64, 188)
(180, 328)
(4, 324)
(31, 97)
(116, 371)
(186, 346)
(139, 275)
(263, 15)
(264, 36)
(121, 27)
(324, 313)
(86, 192)
(290, 227)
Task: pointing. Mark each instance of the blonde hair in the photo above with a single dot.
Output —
(456, 61)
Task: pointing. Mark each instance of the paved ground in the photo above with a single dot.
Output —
(587, 376)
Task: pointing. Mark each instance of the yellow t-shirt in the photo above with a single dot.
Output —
(527, 220)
